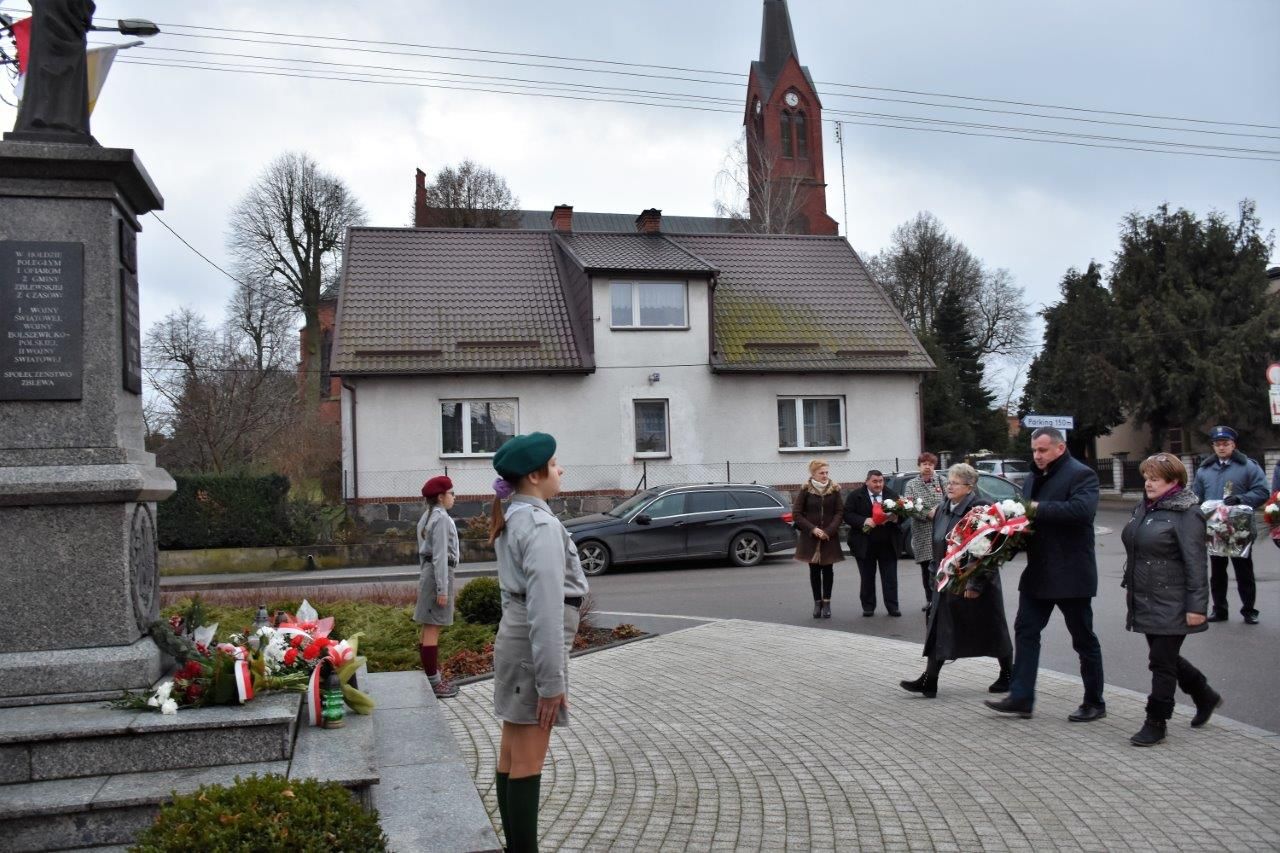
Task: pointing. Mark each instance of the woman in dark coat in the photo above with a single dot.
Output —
(817, 510)
(1168, 593)
(972, 624)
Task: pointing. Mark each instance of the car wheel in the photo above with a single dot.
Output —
(747, 549)
(594, 557)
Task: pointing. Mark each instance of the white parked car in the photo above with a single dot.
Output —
(1017, 470)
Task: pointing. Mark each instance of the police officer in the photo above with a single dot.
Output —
(1233, 478)
(542, 588)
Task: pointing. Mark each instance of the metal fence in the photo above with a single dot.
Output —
(476, 478)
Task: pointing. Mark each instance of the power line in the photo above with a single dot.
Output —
(737, 75)
(365, 68)
(238, 69)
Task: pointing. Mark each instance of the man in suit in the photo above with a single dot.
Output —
(874, 545)
(1061, 572)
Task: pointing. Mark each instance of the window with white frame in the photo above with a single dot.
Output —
(475, 427)
(652, 435)
(649, 305)
(810, 423)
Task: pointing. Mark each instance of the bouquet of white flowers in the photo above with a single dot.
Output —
(1230, 529)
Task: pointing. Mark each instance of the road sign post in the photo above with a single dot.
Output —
(1062, 422)
(1275, 404)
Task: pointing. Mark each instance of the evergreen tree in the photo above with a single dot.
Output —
(1077, 372)
(1199, 325)
(958, 409)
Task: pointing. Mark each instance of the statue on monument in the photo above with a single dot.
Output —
(55, 102)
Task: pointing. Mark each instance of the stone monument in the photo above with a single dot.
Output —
(77, 487)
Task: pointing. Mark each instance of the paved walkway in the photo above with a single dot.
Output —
(740, 735)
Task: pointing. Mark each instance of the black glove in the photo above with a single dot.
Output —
(1234, 500)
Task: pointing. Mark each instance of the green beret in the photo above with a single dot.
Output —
(524, 454)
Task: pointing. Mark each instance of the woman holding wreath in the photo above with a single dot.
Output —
(971, 624)
(817, 510)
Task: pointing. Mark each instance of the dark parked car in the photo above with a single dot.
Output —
(991, 487)
(741, 522)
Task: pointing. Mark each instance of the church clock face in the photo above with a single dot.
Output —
(792, 99)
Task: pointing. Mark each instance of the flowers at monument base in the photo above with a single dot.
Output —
(286, 657)
(1230, 529)
(981, 542)
(905, 508)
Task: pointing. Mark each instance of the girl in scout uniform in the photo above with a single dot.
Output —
(542, 587)
(437, 558)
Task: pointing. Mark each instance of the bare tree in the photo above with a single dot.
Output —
(924, 263)
(470, 196)
(262, 326)
(286, 235)
(754, 192)
(216, 408)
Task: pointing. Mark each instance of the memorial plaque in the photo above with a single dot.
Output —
(128, 245)
(41, 302)
(130, 332)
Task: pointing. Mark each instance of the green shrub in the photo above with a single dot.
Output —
(464, 636)
(480, 601)
(263, 813)
(229, 511)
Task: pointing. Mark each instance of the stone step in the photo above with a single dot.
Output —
(88, 739)
(96, 812)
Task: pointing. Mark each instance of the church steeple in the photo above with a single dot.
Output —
(776, 41)
(783, 120)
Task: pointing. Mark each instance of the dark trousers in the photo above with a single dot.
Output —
(821, 578)
(1033, 616)
(1244, 583)
(880, 556)
(926, 576)
(1170, 670)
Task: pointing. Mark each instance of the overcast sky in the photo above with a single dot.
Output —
(1033, 208)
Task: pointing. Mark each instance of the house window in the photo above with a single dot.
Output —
(810, 423)
(1176, 440)
(786, 135)
(475, 427)
(648, 305)
(651, 428)
(802, 137)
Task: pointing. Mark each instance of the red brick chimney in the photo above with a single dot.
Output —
(649, 221)
(562, 218)
(420, 201)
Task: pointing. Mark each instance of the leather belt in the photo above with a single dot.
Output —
(574, 601)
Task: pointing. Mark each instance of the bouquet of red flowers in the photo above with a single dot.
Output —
(1271, 515)
(981, 542)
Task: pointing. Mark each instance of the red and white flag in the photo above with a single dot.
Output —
(21, 31)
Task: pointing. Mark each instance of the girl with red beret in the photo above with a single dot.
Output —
(437, 559)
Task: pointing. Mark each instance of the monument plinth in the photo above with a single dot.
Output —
(77, 486)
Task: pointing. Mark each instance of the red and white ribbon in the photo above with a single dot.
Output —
(244, 681)
(314, 705)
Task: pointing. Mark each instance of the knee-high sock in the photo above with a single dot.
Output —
(430, 657)
(500, 784)
(522, 814)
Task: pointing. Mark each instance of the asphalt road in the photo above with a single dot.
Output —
(1239, 659)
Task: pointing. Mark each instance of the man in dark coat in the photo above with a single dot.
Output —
(1061, 572)
(874, 545)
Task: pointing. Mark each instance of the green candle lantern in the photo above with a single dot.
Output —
(331, 701)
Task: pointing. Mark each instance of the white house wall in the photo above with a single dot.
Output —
(712, 418)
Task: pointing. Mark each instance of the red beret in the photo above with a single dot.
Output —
(436, 486)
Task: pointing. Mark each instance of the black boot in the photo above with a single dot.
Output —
(1207, 701)
(926, 685)
(1152, 732)
(1001, 684)
(826, 610)
(817, 609)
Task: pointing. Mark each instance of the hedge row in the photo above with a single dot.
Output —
(228, 511)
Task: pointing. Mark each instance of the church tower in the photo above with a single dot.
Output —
(783, 120)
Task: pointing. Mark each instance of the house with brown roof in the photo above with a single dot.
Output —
(652, 356)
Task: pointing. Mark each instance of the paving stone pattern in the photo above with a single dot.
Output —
(747, 736)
